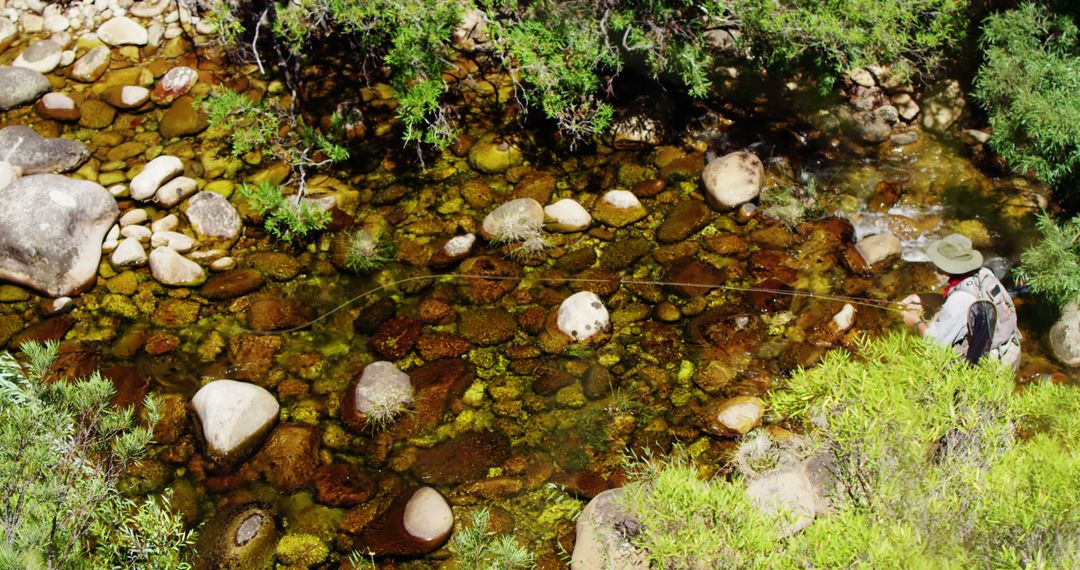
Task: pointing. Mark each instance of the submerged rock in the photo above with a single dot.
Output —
(233, 416)
(212, 216)
(51, 229)
(122, 31)
(23, 147)
(492, 155)
(619, 208)
(42, 56)
(734, 416)
(240, 538)
(153, 175)
(417, 522)
(567, 215)
(514, 220)
(92, 65)
(733, 179)
(170, 268)
(582, 315)
(377, 395)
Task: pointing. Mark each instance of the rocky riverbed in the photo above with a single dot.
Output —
(651, 310)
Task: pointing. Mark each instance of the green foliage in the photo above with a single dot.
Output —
(1052, 268)
(477, 547)
(685, 522)
(841, 35)
(63, 447)
(792, 203)
(284, 217)
(226, 22)
(1028, 86)
(367, 251)
(927, 466)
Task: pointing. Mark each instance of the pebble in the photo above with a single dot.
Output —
(157, 172)
(129, 253)
(173, 240)
(56, 23)
(222, 264)
(167, 224)
(582, 315)
(133, 216)
(175, 191)
(141, 233)
(122, 31)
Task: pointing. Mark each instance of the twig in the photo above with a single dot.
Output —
(255, 41)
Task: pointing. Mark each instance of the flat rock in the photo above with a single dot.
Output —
(42, 56)
(51, 229)
(170, 268)
(212, 216)
(175, 83)
(58, 107)
(599, 542)
(33, 153)
(233, 284)
(182, 119)
(92, 65)
(19, 86)
(122, 31)
(126, 96)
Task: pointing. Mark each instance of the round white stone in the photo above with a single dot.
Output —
(173, 240)
(122, 31)
(623, 199)
(733, 179)
(567, 215)
(133, 216)
(383, 386)
(582, 315)
(167, 224)
(156, 173)
(129, 253)
(516, 219)
(133, 95)
(141, 233)
(427, 515)
(57, 101)
(459, 245)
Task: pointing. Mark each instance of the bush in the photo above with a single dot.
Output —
(842, 35)
(1028, 86)
(63, 448)
(1052, 268)
(928, 471)
(475, 547)
(285, 217)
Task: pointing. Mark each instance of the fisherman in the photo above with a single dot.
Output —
(978, 317)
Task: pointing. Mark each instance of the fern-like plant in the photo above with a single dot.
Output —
(477, 547)
(1052, 268)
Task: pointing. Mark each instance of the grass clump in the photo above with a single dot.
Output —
(792, 203)
(1027, 84)
(477, 547)
(367, 251)
(63, 449)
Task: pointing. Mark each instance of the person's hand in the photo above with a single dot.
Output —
(911, 310)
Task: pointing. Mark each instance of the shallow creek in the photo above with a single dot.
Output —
(508, 415)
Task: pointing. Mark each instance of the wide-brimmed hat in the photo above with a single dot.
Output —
(954, 254)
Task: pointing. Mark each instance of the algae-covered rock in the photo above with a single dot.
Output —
(492, 155)
(240, 538)
(305, 550)
(182, 119)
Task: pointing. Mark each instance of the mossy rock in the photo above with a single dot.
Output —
(120, 306)
(96, 114)
(304, 550)
(125, 283)
(492, 155)
(13, 294)
(174, 313)
(487, 327)
(275, 265)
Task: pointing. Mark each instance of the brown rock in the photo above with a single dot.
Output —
(275, 265)
(886, 193)
(273, 313)
(536, 185)
(686, 218)
(290, 456)
(768, 296)
(466, 457)
(649, 188)
(95, 114)
(182, 119)
(44, 331)
(433, 310)
(395, 338)
(499, 487)
(131, 385)
(483, 291)
(343, 485)
(232, 284)
(174, 313)
(487, 327)
(695, 277)
(252, 356)
(74, 361)
(161, 342)
(417, 522)
(436, 345)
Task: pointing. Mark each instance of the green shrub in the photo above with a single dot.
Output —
(63, 447)
(1052, 267)
(1028, 86)
(477, 547)
(841, 35)
(928, 468)
(286, 218)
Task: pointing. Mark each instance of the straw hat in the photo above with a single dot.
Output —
(953, 254)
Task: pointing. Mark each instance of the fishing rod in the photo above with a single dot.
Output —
(882, 304)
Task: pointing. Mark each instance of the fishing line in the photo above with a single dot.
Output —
(882, 304)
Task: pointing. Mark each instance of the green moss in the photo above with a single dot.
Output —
(474, 396)
(570, 396)
(125, 283)
(120, 306)
(301, 550)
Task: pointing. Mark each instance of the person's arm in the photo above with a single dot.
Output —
(949, 326)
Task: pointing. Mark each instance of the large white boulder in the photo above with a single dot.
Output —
(582, 315)
(33, 153)
(733, 179)
(567, 215)
(51, 229)
(122, 31)
(232, 415)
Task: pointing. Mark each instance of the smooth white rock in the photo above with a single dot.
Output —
(222, 264)
(458, 246)
(582, 315)
(133, 216)
(67, 57)
(130, 253)
(174, 191)
(878, 247)
(122, 31)
(843, 319)
(170, 268)
(157, 172)
(733, 179)
(383, 386)
(173, 240)
(134, 95)
(141, 233)
(231, 412)
(7, 173)
(623, 199)
(567, 215)
(513, 220)
(167, 224)
(427, 515)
